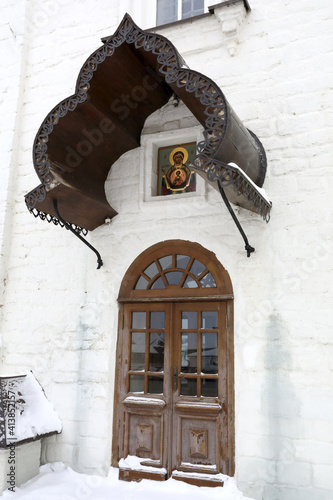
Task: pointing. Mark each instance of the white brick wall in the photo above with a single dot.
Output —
(59, 314)
(13, 52)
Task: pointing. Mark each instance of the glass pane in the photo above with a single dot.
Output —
(209, 387)
(141, 284)
(192, 8)
(174, 277)
(156, 352)
(137, 383)
(166, 262)
(157, 320)
(186, 7)
(158, 284)
(151, 270)
(189, 353)
(167, 11)
(198, 4)
(155, 385)
(189, 320)
(188, 386)
(190, 283)
(197, 268)
(208, 281)
(209, 353)
(138, 320)
(182, 261)
(138, 350)
(209, 320)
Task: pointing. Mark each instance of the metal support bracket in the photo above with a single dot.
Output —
(248, 247)
(69, 226)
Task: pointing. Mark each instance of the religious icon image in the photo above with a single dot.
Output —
(176, 177)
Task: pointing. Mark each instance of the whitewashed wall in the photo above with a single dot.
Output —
(59, 314)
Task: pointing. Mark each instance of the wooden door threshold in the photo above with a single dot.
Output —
(127, 474)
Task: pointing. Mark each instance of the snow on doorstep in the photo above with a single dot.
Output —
(56, 482)
(32, 415)
(133, 462)
(189, 465)
(140, 400)
(199, 475)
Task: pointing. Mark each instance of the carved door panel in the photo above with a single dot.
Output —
(199, 389)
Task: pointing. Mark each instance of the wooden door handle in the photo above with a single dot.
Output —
(175, 378)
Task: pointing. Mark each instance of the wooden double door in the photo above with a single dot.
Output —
(173, 410)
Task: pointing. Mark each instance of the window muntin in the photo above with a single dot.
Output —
(169, 11)
(138, 348)
(199, 353)
(189, 353)
(191, 8)
(175, 270)
(156, 352)
(209, 352)
(146, 373)
(198, 356)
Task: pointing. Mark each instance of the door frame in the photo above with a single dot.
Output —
(222, 292)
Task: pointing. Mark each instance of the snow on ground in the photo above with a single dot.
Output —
(57, 482)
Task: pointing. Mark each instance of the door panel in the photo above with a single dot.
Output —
(145, 435)
(196, 447)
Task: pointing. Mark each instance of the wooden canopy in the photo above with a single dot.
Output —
(132, 75)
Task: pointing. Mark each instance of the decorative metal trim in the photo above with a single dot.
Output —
(177, 75)
(50, 218)
(227, 175)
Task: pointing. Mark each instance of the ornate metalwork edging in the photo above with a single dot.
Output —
(57, 222)
(178, 76)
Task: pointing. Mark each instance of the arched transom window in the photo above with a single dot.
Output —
(175, 270)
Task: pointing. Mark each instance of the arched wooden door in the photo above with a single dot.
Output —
(174, 397)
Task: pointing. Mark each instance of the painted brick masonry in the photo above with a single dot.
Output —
(59, 314)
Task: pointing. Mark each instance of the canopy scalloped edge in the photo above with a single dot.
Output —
(201, 95)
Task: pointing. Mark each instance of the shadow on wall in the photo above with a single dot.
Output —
(280, 406)
(269, 465)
